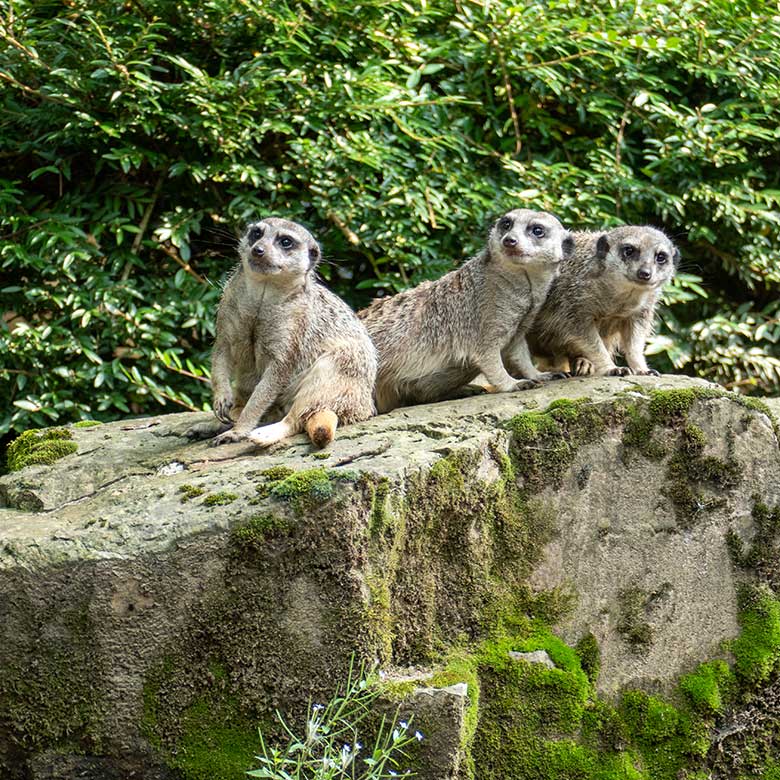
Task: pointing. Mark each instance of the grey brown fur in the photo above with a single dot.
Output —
(604, 301)
(285, 341)
(440, 335)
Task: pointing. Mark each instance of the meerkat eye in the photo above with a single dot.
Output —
(661, 258)
(254, 234)
(286, 242)
(538, 231)
(505, 223)
(629, 251)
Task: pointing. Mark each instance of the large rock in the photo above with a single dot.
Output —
(159, 599)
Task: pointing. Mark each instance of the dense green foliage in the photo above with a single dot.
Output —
(136, 138)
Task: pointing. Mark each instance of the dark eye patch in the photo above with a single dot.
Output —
(286, 242)
(537, 230)
(254, 233)
(505, 223)
(628, 251)
(662, 258)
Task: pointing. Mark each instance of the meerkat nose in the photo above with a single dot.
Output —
(643, 274)
(509, 241)
(258, 251)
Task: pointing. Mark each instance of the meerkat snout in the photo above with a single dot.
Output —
(529, 236)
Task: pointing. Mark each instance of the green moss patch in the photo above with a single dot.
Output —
(51, 679)
(707, 687)
(689, 471)
(536, 722)
(762, 555)
(757, 649)
(467, 545)
(544, 443)
(87, 423)
(590, 656)
(254, 533)
(211, 737)
(39, 446)
(215, 744)
(219, 499)
(189, 492)
(304, 490)
(632, 625)
(277, 473)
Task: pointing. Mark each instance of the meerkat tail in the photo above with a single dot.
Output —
(321, 427)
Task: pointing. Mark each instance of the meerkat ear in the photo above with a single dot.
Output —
(602, 247)
(676, 257)
(568, 246)
(314, 254)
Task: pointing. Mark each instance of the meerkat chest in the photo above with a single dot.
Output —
(518, 301)
(272, 337)
(620, 309)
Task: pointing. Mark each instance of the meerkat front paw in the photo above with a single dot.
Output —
(619, 371)
(228, 437)
(206, 430)
(223, 404)
(649, 372)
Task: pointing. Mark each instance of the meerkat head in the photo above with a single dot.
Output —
(523, 236)
(643, 256)
(278, 248)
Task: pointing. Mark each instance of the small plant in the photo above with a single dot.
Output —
(331, 748)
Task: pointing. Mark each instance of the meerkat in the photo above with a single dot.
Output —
(285, 341)
(438, 336)
(604, 301)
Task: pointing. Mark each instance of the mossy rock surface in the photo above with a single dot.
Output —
(429, 536)
(39, 447)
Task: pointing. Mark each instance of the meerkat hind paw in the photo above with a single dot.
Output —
(649, 372)
(266, 435)
(549, 376)
(620, 371)
(526, 384)
(582, 367)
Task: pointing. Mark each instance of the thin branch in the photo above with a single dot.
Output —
(30, 91)
(186, 373)
(350, 234)
(19, 45)
(431, 214)
(172, 399)
(142, 227)
(557, 61)
(174, 255)
(760, 27)
(618, 144)
(509, 97)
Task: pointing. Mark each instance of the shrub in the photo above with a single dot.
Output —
(137, 138)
